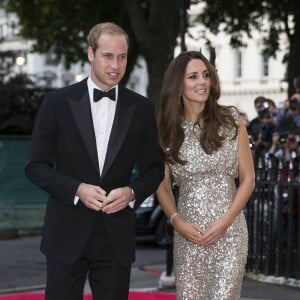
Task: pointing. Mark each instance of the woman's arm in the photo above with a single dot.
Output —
(164, 193)
(243, 193)
(246, 175)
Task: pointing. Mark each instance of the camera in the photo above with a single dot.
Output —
(282, 138)
(263, 112)
(288, 138)
(251, 142)
(293, 103)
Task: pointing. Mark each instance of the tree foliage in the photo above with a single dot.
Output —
(61, 28)
(19, 102)
(236, 17)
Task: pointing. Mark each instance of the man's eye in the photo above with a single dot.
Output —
(122, 57)
(107, 56)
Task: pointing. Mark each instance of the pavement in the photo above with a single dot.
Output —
(22, 269)
(252, 289)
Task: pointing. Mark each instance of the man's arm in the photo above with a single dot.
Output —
(40, 166)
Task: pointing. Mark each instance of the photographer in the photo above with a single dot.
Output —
(254, 127)
(294, 108)
(284, 146)
(288, 117)
(297, 88)
(267, 119)
(262, 137)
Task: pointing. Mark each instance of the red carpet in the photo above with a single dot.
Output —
(132, 296)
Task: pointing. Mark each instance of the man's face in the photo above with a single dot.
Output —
(108, 63)
(258, 106)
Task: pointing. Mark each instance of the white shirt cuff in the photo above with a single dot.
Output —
(76, 199)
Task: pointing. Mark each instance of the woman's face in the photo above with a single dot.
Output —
(196, 82)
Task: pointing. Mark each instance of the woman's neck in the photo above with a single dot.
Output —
(192, 113)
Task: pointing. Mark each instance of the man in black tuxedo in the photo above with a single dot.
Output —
(84, 146)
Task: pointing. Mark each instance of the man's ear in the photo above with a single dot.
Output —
(90, 54)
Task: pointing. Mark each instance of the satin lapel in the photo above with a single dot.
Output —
(123, 116)
(83, 117)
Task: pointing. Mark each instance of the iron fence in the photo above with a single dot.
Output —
(273, 217)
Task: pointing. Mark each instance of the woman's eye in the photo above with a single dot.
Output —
(194, 76)
(205, 74)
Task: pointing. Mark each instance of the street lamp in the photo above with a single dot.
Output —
(20, 61)
(79, 77)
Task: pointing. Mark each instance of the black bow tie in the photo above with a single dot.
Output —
(98, 94)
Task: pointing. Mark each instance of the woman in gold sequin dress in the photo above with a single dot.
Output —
(205, 146)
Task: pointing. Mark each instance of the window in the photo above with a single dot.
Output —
(238, 64)
(8, 30)
(265, 65)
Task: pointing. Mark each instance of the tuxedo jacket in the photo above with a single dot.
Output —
(63, 154)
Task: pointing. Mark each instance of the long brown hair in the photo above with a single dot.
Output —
(170, 110)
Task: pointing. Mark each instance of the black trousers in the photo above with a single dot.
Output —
(107, 278)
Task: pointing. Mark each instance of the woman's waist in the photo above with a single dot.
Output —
(207, 177)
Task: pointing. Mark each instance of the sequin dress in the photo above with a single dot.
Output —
(207, 188)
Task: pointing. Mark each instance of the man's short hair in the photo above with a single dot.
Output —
(107, 27)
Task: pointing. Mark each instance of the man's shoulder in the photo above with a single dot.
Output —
(73, 89)
(134, 96)
(296, 96)
(254, 121)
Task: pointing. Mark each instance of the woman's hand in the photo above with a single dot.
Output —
(215, 232)
(190, 232)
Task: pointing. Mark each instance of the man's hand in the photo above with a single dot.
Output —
(92, 196)
(117, 199)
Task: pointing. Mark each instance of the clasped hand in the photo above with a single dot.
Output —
(94, 197)
(200, 236)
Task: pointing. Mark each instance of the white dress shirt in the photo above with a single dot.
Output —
(103, 113)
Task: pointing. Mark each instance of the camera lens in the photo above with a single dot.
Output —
(283, 138)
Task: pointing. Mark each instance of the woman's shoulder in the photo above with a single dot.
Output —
(234, 111)
(231, 110)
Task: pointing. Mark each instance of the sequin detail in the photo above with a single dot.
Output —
(207, 188)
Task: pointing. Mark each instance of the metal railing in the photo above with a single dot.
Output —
(273, 217)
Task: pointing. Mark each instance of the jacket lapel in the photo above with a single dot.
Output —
(122, 120)
(81, 111)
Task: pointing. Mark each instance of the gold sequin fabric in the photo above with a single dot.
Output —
(207, 188)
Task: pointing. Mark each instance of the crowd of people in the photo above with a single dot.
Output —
(275, 132)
